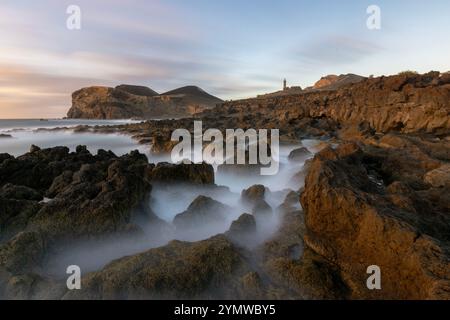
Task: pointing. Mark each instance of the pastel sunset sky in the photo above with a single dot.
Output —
(230, 48)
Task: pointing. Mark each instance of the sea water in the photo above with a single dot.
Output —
(25, 133)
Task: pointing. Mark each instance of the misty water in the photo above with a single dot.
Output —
(25, 133)
(166, 202)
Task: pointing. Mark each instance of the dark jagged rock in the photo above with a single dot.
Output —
(10, 191)
(93, 197)
(188, 173)
(243, 229)
(299, 154)
(203, 211)
(262, 209)
(179, 270)
(253, 194)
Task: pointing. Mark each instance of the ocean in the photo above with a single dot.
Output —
(24, 133)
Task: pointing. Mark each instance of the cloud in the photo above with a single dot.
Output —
(42, 62)
(335, 50)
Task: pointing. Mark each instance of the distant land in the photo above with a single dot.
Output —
(139, 102)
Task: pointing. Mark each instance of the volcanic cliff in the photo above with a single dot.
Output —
(127, 101)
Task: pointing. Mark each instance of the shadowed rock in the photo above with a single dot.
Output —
(253, 194)
(299, 154)
(203, 211)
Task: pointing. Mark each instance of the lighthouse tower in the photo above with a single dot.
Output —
(284, 84)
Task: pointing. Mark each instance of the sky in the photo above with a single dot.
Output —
(232, 49)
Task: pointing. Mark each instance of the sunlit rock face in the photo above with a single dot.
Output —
(383, 218)
(127, 101)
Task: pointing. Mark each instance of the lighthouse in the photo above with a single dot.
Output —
(284, 84)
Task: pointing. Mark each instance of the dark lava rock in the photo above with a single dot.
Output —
(262, 209)
(93, 197)
(188, 173)
(5, 136)
(180, 270)
(253, 194)
(244, 225)
(203, 211)
(11, 191)
(299, 154)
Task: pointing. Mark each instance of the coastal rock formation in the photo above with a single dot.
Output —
(198, 173)
(253, 194)
(262, 210)
(127, 101)
(90, 197)
(406, 103)
(203, 211)
(179, 270)
(299, 154)
(243, 230)
(372, 206)
(333, 82)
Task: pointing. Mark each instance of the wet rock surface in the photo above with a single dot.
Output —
(92, 197)
(299, 154)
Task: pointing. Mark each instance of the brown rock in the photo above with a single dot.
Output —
(352, 223)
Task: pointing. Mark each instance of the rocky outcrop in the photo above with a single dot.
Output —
(127, 101)
(52, 197)
(334, 82)
(404, 103)
(253, 194)
(299, 154)
(180, 270)
(198, 173)
(203, 211)
(372, 206)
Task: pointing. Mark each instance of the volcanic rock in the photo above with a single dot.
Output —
(200, 173)
(242, 230)
(179, 270)
(127, 101)
(253, 194)
(375, 225)
(299, 154)
(203, 211)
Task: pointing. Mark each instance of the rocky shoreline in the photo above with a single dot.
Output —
(378, 195)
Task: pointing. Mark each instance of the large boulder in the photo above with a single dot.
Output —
(356, 217)
(243, 230)
(299, 154)
(203, 211)
(253, 194)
